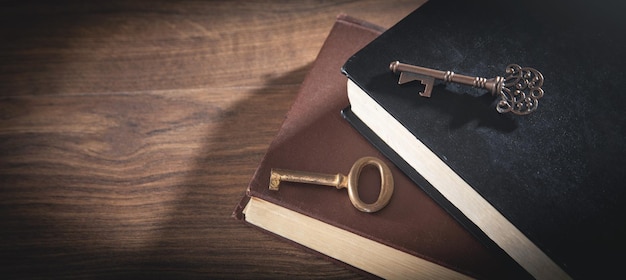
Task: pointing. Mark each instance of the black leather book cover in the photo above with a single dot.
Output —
(558, 173)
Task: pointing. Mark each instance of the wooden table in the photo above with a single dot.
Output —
(129, 131)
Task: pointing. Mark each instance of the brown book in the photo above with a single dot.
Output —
(412, 237)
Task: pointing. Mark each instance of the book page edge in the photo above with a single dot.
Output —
(340, 244)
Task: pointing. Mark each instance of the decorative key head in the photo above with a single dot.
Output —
(521, 90)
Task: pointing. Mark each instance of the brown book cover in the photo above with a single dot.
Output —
(314, 137)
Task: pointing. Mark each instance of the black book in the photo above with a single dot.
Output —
(548, 187)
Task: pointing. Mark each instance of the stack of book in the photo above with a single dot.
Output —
(478, 194)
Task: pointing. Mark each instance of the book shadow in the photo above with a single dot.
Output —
(201, 218)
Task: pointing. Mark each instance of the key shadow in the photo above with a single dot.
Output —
(454, 105)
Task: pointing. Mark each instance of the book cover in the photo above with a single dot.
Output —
(314, 137)
(546, 187)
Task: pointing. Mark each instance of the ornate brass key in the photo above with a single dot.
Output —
(519, 91)
(342, 181)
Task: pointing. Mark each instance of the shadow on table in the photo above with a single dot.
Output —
(200, 236)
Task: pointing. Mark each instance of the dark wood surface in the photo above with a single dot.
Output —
(129, 131)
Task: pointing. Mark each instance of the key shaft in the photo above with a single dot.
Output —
(278, 175)
(493, 85)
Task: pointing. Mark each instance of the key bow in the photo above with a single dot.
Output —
(521, 90)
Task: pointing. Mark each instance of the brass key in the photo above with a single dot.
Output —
(519, 91)
(342, 181)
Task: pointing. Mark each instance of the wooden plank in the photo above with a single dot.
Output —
(120, 46)
(129, 131)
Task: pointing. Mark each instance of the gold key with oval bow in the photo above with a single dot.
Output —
(341, 181)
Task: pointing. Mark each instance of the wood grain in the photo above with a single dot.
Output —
(129, 131)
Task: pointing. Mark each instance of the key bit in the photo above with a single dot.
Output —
(519, 90)
(342, 181)
(427, 81)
